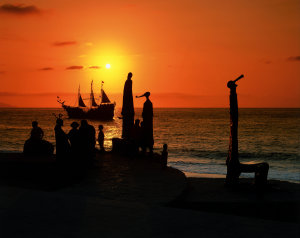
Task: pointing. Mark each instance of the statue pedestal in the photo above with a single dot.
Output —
(122, 146)
(38, 147)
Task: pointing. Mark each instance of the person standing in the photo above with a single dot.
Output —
(73, 136)
(62, 143)
(127, 108)
(164, 156)
(101, 138)
(147, 122)
(87, 136)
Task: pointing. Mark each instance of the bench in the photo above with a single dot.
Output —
(260, 171)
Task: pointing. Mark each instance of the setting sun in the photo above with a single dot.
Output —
(148, 103)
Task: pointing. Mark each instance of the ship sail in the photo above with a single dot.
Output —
(80, 101)
(93, 102)
(104, 97)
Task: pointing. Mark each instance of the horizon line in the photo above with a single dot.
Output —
(12, 107)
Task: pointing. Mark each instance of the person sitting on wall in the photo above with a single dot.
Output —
(35, 144)
(36, 132)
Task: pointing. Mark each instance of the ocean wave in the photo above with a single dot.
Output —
(242, 155)
(197, 138)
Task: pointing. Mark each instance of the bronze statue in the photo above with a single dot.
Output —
(127, 108)
(232, 161)
(147, 128)
(234, 167)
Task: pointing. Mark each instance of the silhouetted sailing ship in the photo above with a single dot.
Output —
(103, 111)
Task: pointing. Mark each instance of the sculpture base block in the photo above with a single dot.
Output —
(260, 170)
(122, 146)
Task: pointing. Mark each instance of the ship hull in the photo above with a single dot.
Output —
(103, 112)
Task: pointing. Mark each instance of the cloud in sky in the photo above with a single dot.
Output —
(46, 68)
(129, 6)
(94, 67)
(294, 58)
(5, 105)
(74, 67)
(19, 9)
(16, 94)
(64, 43)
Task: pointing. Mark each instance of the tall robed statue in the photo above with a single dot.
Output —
(127, 108)
(147, 124)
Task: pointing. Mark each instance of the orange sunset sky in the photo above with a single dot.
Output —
(183, 52)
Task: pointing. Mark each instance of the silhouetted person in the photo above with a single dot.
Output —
(164, 156)
(62, 143)
(101, 138)
(35, 144)
(92, 139)
(127, 108)
(74, 138)
(87, 135)
(147, 129)
(36, 133)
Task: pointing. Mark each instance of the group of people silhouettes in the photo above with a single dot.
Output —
(79, 142)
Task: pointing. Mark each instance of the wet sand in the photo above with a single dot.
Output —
(134, 197)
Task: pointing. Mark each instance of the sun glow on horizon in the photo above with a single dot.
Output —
(107, 66)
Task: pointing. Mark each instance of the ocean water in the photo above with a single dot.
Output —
(197, 138)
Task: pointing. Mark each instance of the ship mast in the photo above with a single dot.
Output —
(78, 95)
(92, 98)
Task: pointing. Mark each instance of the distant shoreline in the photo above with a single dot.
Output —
(13, 107)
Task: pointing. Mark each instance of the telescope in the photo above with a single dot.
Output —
(242, 76)
(146, 94)
(231, 84)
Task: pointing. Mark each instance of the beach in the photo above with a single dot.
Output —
(197, 138)
(149, 119)
(134, 197)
